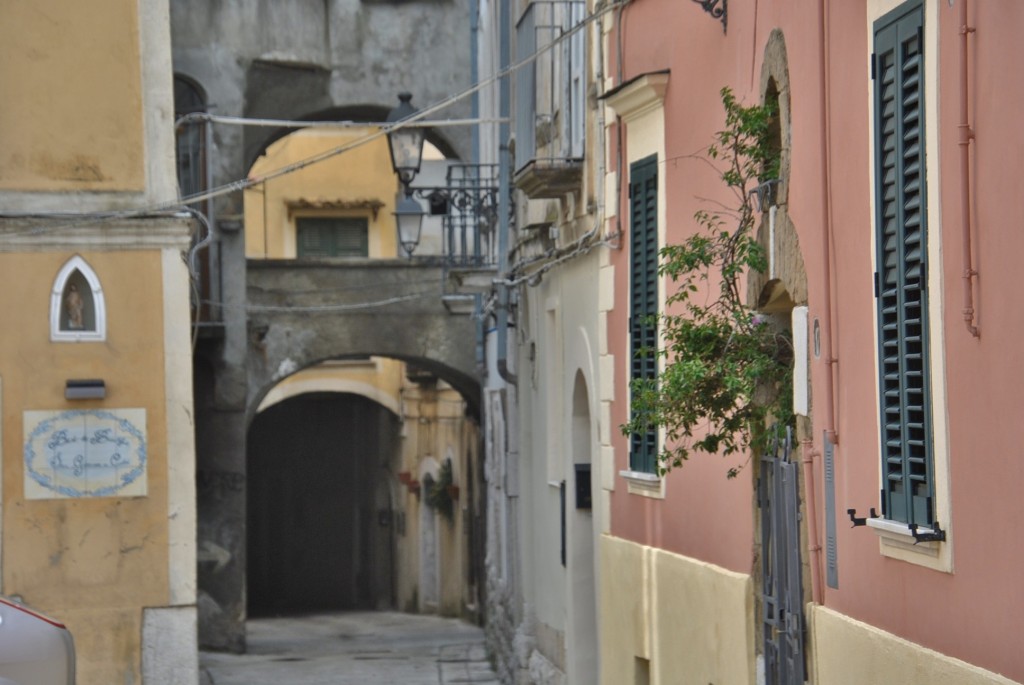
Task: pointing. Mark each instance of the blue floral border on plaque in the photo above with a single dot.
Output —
(99, 436)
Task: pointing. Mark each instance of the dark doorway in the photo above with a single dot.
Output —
(319, 512)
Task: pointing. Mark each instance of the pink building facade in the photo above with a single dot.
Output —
(892, 241)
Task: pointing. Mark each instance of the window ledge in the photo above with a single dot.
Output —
(897, 536)
(644, 484)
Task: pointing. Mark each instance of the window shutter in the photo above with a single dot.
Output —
(526, 87)
(643, 191)
(901, 238)
(332, 237)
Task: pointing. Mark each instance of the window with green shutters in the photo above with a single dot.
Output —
(901, 236)
(643, 291)
(332, 237)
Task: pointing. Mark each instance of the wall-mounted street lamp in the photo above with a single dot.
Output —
(406, 143)
(468, 202)
(409, 219)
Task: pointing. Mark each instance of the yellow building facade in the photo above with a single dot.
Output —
(356, 184)
(96, 437)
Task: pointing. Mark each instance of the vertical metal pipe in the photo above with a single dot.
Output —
(826, 222)
(966, 135)
(504, 186)
(812, 519)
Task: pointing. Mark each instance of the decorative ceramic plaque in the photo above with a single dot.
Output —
(85, 453)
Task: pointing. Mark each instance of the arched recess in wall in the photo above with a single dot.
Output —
(430, 546)
(78, 311)
(584, 652)
(780, 292)
(783, 284)
(191, 138)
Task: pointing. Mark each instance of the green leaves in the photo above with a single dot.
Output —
(726, 369)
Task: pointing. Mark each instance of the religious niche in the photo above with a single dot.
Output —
(77, 308)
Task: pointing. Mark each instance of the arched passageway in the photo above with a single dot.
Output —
(319, 511)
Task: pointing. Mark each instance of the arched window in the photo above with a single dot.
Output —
(191, 140)
(77, 309)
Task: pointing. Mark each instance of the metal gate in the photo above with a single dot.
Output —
(782, 598)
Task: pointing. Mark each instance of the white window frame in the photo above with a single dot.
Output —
(895, 538)
(641, 105)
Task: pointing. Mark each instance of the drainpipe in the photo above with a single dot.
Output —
(965, 138)
(826, 247)
(474, 73)
(504, 213)
(809, 453)
(814, 544)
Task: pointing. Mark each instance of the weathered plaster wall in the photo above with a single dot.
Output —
(98, 562)
(557, 345)
(418, 329)
(435, 430)
(96, 144)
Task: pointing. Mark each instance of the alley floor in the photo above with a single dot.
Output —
(364, 648)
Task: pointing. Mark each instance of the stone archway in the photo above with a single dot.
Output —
(271, 60)
(411, 323)
(318, 511)
(780, 292)
(337, 482)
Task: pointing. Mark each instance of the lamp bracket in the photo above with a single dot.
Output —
(479, 200)
(712, 8)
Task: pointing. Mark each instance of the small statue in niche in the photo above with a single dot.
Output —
(74, 306)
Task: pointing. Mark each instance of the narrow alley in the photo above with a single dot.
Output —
(361, 648)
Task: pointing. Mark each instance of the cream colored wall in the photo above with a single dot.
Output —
(693, 621)
(358, 183)
(378, 379)
(72, 113)
(97, 562)
(435, 428)
(853, 653)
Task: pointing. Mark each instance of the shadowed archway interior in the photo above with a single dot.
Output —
(319, 523)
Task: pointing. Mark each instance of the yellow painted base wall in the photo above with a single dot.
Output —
(693, 621)
(849, 652)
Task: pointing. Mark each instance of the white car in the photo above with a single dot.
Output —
(34, 649)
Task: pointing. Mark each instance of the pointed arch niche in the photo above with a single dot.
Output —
(77, 309)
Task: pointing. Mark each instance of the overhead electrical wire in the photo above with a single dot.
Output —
(180, 206)
(418, 119)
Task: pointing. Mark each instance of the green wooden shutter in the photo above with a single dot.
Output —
(902, 250)
(332, 237)
(643, 230)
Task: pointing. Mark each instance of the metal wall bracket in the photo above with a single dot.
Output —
(858, 521)
(937, 534)
(711, 7)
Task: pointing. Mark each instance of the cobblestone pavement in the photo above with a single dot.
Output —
(357, 648)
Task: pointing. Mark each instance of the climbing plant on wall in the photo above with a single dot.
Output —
(726, 370)
(439, 492)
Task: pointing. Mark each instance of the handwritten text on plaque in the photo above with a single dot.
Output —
(85, 453)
